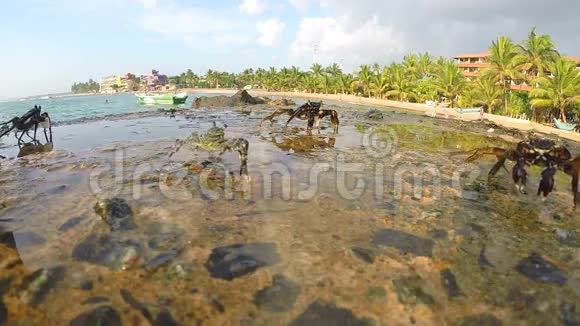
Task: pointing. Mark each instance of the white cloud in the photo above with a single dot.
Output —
(342, 40)
(301, 5)
(270, 31)
(252, 7)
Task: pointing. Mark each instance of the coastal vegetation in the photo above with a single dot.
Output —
(89, 87)
(553, 79)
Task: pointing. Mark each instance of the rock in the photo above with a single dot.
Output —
(36, 286)
(107, 250)
(570, 317)
(281, 102)
(280, 297)
(56, 190)
(165, 240)
(449, 282)
(377, 293)
(161, 259)
(117, 213)
(325, 314)
(438, 234)
(520, 300)
(71, 223)
(409, 291)
(28, 239)
(156, 315)
(499, 255)
(5, 286)
(29, 149)
(86, 285)
(482, 260)
(471, 195)
(95, 300)
(374, 115)
(101, 316)
(405, 242)
(471, 230)
(234, 261)
(181, 270)
(538, 269)
(481, 320)
(567, 238)
(3, 312)
(241, 98)
(367, 255)
(7, 239)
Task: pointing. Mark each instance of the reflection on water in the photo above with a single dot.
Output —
(125, 235)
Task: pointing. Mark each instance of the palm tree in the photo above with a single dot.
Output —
(487, 92)
(424, 65)
(411, 65)
(560, 91)
(401, 86)
(326, 83)
(536, 53)
(503, 63)
(364, 77)
(380, 83)
(316, 70)
(345, 82)
(334, 70)
(309, 83)
(449, 80)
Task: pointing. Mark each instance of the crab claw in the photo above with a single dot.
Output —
(547, 182)
(298, 112)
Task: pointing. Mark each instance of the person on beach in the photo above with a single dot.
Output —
(481, 114)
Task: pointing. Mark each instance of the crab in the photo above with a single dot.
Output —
(31, 119)
(310, 111)
(535, 151)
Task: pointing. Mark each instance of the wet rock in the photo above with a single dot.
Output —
(165, 240)
(281, 102)
(28, 239)
(481, 320)
(107, 250)
(567, 238)
(409, 291)
(366, 254)
(405, 242)
(30, 149)
(156, 315)
(95, 300)
(71, 223)
(86, 285)
(520, 300)
(538, 269)
(325, 314)
(235, 261)
(7, 239)
(117, 213)
(181, 270)
(56, 190)
(449, 282)
(482, 259)
(5, 286)
(35, 287)
(471, 195)
(3, 312)
(438, 234)
(569, 315)
(377, 293)
(162, 259)
(241, 98)
(279, 297)
(471, 230)
(102, 316)
(374, 115)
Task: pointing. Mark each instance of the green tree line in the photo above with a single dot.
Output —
(88, 87)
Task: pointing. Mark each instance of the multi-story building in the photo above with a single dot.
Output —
(472, 65)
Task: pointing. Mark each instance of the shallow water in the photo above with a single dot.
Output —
(383, 223)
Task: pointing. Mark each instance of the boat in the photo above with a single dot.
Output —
(564, 126)
(164, 99)
(468, 110)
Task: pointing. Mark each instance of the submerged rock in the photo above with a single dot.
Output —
(29, 149)
(377, 293)
(409, 291)
(156, 315)
(36, 286)
(107, 250)
(325, 314)
(538, 269)
(234, 261)
(449, 282)
(117, 213)
(366, 254)
(279, 297)
(161, 259)
(103, 315)
(7, 239)
(570, 317)
(71, 223)
(165, 240)
(241, 98)
(481, 320)
(281, 102)
(405, 242)
(3, 312)
(28, 239)
(95, 300)
(374, 115)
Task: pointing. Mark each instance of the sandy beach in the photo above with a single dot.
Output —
(504, 121)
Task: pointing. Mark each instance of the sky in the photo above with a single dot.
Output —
(49, 44)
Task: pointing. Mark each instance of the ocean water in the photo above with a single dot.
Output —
(63, 109)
